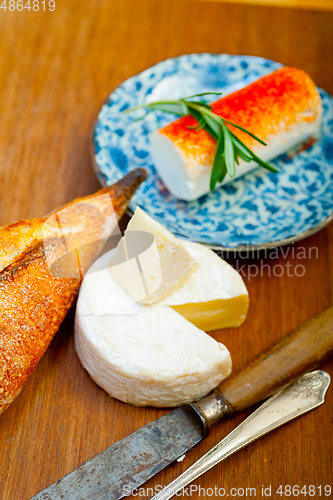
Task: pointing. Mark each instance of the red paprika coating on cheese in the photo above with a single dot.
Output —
(287, 96)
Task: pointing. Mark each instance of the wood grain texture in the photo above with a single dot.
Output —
(56, 69)
(295, 4)
(301, 351)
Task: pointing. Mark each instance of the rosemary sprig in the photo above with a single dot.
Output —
(229, 147)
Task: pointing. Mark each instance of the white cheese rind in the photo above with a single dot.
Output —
(213, 279)
(188, 179)
(214, 296)
(143, 354)
(283, 108)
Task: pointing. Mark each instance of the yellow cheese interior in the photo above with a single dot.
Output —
(215, 314)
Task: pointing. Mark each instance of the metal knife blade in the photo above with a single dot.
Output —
(115, 472)
(124, 466)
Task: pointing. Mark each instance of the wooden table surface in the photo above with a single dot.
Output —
(298, 4)
(56, 69)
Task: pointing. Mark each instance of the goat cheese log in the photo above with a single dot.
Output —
(42, 263)
(282, 108)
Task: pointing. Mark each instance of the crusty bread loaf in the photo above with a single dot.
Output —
(39, 282)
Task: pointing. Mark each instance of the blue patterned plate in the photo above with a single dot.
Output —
(261, 209)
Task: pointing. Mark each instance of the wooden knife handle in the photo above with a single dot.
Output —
(295, 354)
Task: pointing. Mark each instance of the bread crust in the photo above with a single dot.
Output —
(34, 297)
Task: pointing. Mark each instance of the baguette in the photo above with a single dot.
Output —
(282, 108)
(42, 265)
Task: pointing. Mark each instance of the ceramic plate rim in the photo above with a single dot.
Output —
(249, 247)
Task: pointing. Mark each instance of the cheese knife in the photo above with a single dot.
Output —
(124, 466)
(301, 396)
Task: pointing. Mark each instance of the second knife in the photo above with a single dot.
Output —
(124, 466)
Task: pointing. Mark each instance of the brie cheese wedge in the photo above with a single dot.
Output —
(214, 296)
(155, 354)
(151, 262)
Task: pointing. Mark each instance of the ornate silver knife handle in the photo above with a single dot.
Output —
(306, 393)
